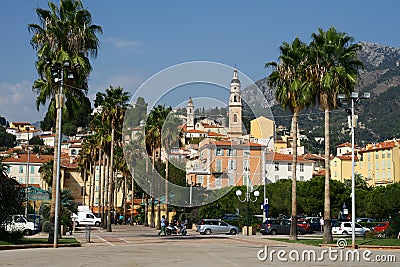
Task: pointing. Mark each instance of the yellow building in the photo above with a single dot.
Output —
(262, 128)
(341, 167)
(380, 163)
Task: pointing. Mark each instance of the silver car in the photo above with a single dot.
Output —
(215, 226)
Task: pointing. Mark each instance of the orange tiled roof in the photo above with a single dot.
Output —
(286, 157)
(379, 146)
(23, 158)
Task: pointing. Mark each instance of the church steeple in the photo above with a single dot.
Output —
(190, 115)
(235, 107)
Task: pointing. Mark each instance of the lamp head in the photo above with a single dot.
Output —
(256, 193)
(238, 193)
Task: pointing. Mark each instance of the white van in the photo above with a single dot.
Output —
(20, 223)
(85, 217)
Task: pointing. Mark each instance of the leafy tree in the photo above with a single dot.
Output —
(36, 141)
(11, 195)
(6, 140)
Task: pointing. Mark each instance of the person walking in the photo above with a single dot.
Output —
(162, 226)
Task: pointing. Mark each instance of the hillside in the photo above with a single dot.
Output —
(378, 117)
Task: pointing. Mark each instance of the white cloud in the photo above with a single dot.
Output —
(18, 102)
(124, 44)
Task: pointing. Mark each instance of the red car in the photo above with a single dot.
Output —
(381, 227)
(305, 225)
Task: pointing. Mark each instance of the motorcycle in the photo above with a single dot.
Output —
(175, 230)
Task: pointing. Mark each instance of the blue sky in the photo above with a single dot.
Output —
(142, 38)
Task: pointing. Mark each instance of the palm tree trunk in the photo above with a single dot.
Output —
(111, 189)
(54, 182)
(90, 184)
(94, 179)
(101, 165)
(293, 226)
(327, 238)
(106, 196)
(166, 186)
(146, 207)
(124, 199)
(133, 195)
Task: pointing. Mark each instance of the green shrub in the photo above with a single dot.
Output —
(46, 226)
(10, 236)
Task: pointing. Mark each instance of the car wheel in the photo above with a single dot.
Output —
(232, 232)
(207, 232)
(299, 232)
(202, 233)
(27, 232)
(273, 232)
(344, 233)
(184, 232)
(97, 224)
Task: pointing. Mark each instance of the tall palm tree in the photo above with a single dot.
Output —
(114, 105)
(292, 92)
(154, 126)
(333, 71)
(63, 33)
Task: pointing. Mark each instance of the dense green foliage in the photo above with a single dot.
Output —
(6, 140)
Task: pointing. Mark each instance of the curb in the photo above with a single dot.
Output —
(363, 246)
(9, 247)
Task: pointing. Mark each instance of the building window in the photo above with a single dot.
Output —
(218, 181)
(219, 152)
(32, 169)
(377, 166)
(246, 165)
(218, 165)
(20, 180)
(289, 166)
(235, 118)
(389, 174)
(383, 175)
(246, 152)
(369, 157)
(96, 189)
(96, 177)
(73, 152)
(232, 164)
(31, 180)
(377, 175)
(383, 154)
(289, 177)
(231, 152)
(301, 178)
(383, 165)
(231, 179)
(369, 166)
(302, 167)
(200, 179)
(276, 166)
(335, 163)
(388, 154)
(8, 169)
(388, 163)
(335, 173)
(21, 169)
(377, 155)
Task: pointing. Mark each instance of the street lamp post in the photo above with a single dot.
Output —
(58, 73)
(265, 180)
(354, 97)
(248, 199)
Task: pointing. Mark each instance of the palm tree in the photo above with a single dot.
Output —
(293, 92)
(64, 33)
(154, 126)
(114, 106)
(170, 137)
(333, 71)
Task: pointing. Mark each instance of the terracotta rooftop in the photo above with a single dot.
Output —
(23, 158)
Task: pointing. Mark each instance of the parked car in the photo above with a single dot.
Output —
(230, 217)
(314, 223)
(215, 226)
(279, 227)
(381, 227)
(305, 225)
(20, 223)
(365, 220)
(344, 228)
